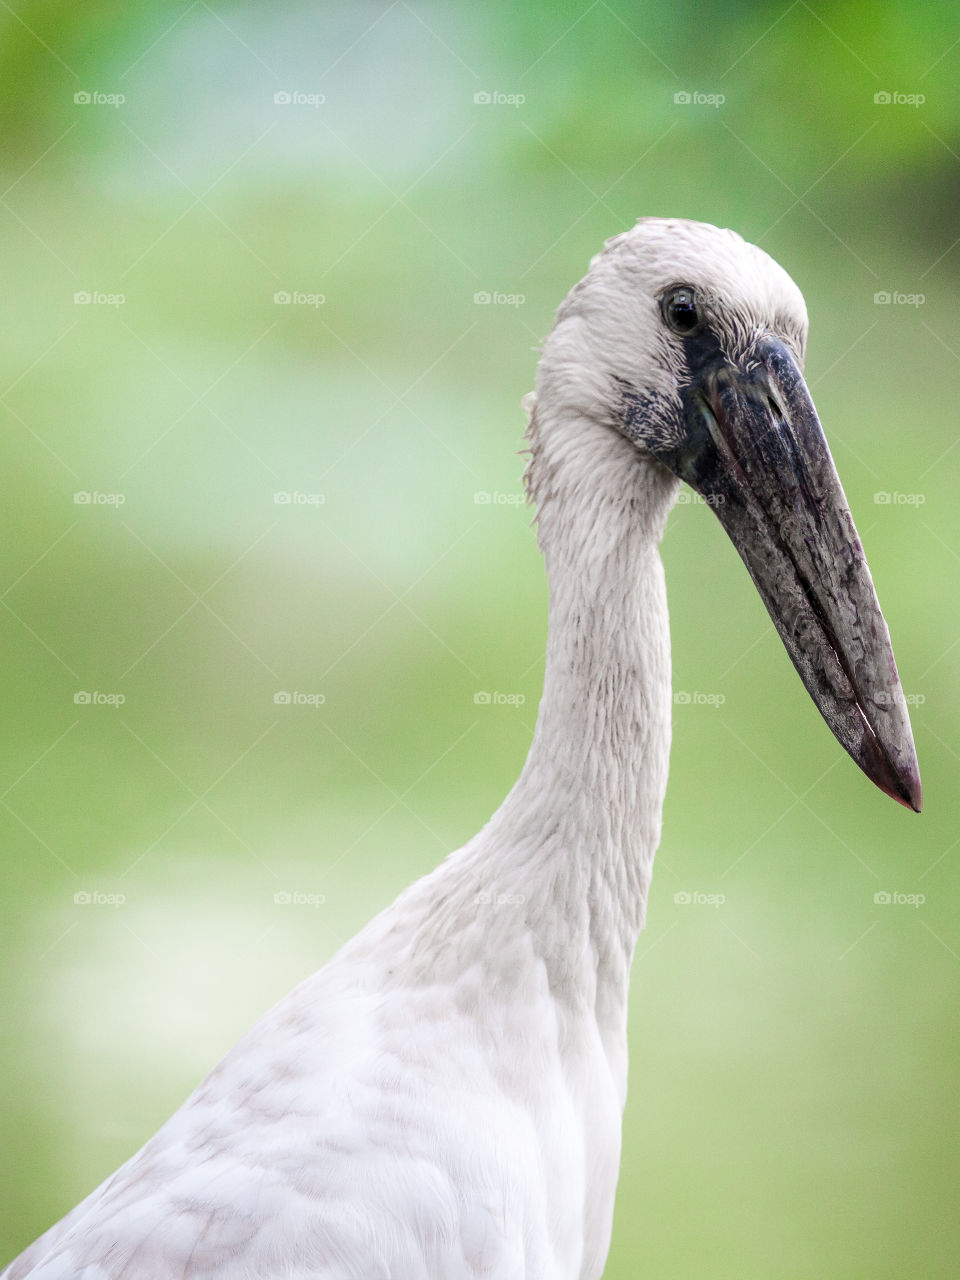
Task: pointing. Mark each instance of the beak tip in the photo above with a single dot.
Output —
(916, 794)
(904, 787)
(912, 800)
(900, 781)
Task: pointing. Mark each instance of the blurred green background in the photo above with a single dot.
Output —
(794, 1051)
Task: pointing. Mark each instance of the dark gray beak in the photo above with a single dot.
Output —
(756, 452)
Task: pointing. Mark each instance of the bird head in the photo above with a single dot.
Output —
(689, 343)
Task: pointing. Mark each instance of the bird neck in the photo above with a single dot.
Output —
(576, 836)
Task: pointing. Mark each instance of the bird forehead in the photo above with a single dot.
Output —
(731, 277)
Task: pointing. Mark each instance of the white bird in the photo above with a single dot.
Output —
(443, 1100)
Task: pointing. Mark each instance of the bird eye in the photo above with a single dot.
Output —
(680, 309)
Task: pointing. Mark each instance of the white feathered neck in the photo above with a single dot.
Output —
(557, 880)
(583, 821)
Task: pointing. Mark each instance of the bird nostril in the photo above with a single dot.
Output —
(715, 387)
(774, 406)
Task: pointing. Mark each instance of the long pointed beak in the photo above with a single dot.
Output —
(757, 453)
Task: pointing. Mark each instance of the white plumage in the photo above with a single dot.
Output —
(443, 1100)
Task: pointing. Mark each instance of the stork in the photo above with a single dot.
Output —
(443, 1100)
